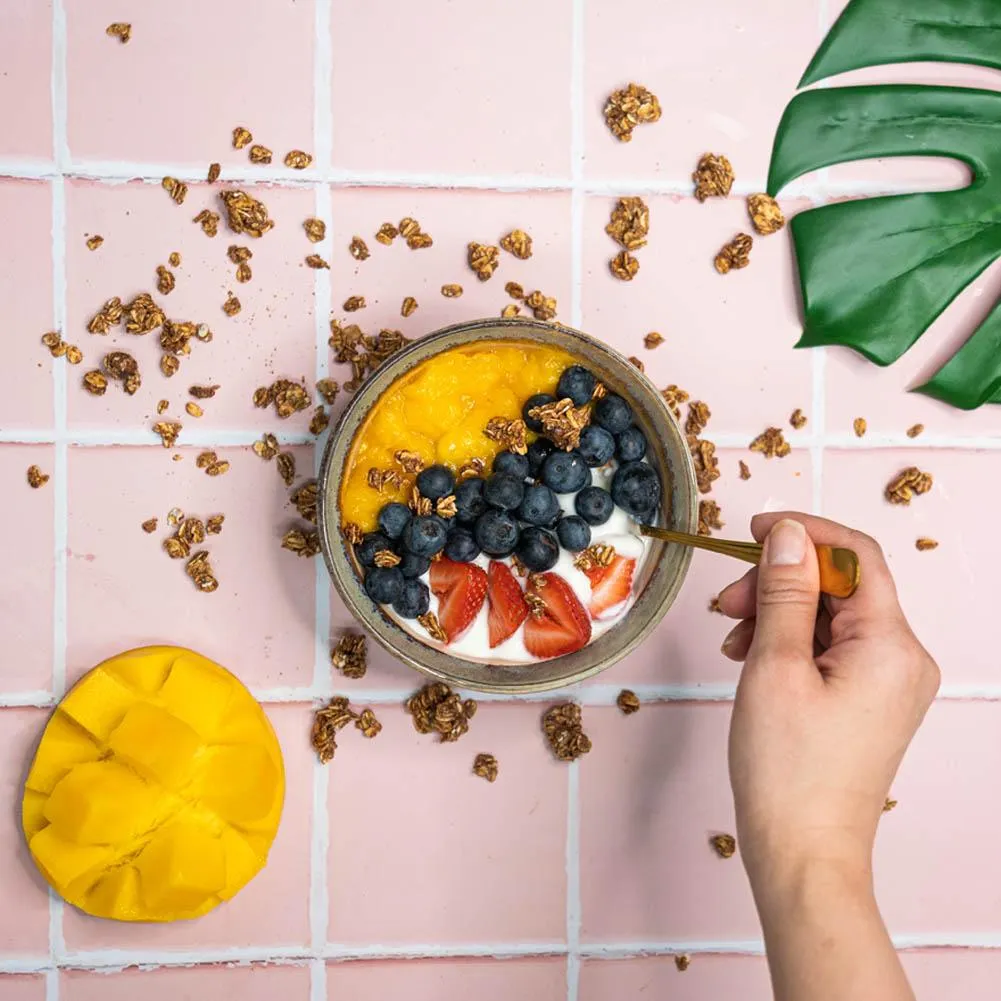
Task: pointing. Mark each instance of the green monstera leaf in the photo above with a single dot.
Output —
(875, 273)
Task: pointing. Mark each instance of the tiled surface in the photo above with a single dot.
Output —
(475, 121)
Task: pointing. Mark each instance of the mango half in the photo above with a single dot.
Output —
(156, 790)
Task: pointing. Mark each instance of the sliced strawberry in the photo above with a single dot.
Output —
(461, 589)
(611, 585)
(558, 625)
(508, 608)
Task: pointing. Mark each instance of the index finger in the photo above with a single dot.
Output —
(876, 594)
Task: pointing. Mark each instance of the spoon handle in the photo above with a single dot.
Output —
(840, 572)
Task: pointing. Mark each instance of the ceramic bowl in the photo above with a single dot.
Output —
(663, 572)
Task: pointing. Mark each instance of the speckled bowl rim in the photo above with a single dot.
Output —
(665, 569)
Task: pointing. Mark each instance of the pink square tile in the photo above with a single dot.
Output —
(454, 219)
(698, 60)
(216, 67)
(15, 987)
(273, 909)
(438, 830)
(26, 596)
(24, 897)
(197, 983)
(26, 80)
(273, 336)
(857, 388)
(463, 89)
(684, 649)
(748, 319)
(931, 878)
(743, 977)
(431, 980)
(260, 621)
(954, 974)
(954, 622)
(653, 792)
(26, 294)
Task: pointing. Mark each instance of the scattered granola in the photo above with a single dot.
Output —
(766, 216)
(168, 432)
(149, 525)
(445, 507)
(408, 306)
(260, 154)
(177, 190)
(714, 605)
(358, 249)
(36, 478)
(326, 722)
(485, 766)
(674, 397)
(889, 804)
(243, 273)
(637, 363)
(95, 383)
(288, 397)
(682, 962)
(624, 266)
(200, 571)
(387, 234)
(437, 709)
(94, 242)
(923, 545)
(410, 230)
(713, 177)
(518, 243)
(305, 499)
(564, 730)
(165, 280)
(193, 409)
(267, 447)
(510, 311)
(914, 430)
(213, 524)
(320, 421)
(317, 263)
(483, 260)
(625, 109)
(241, 137)
(316, 229)
(286, 467)
(214, 171)
(368, 724)
(562, 421)
(298, 160)
(797, 419)
(906, 484)
(514, 290)
(122, 366)
(110, 315)
(120, 30)
(597, 555)
(410, 462)
(362, 352)
(629, 224)
(724, 845)
(771, 443)
(328, 389)
(350, 655)
(543, 307)
(653, 340)
(452, 291)
(509, 434)
(709, 517)
(142, 315)
(56, 345)
(386, 558)
(73, 354)
(474, 467)
(353, 303)
(699, 415)
(301, 543)
(174, 259)
(245, 214)
(232, 305)
(859, 426)
(734, 255)
(209, 221)
(745, 472)
(433, 627)
(238, 254)
(628, 702)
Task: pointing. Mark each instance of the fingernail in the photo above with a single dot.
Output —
(786, 544)
(727, 643)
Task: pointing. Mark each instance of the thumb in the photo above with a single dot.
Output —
(788, 593)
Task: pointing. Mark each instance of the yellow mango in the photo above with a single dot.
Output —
(62, 861)
(100, 706)
(156, 744)
(67, 744)
(238, 783)
(116, 894)
(181, 870)
(197, 692)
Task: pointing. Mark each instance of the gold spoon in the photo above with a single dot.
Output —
(840, 572)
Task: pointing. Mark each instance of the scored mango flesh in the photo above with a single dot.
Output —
(156, 790)
(439, 410)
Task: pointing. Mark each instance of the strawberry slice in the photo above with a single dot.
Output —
(508, 608)
(559, 623)
(611, 585)
(461, 589)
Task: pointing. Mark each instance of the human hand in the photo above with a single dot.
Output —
(827, 702)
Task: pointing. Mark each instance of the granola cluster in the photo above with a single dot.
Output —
(410, 230)
(287, 397)
(363, 352)
(907, 484)
(709, 517)
(36, 478)
(485, 766)
(596, 555)
(332, 718)
(798, 419)
(564, 730)
(188, 534)
(625, 109)
(713, 177)
(725, 845)
(350, 655)
(510, 435)
(734, 255)
(302, 543)
(771, 444)
(437, 709)
(245, 214)
(766, 216)
(58, 348)
(517, 243)
(628, 702)
(562, 422)
(483, 260)
(628, 226)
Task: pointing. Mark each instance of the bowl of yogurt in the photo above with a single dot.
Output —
(480, 502)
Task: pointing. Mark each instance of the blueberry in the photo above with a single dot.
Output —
(413, 566)
(597, 445)
(565, 472)
(612, 413)
(496, 533)
(461, 546)
(540, 506)
(511, 462)
(373, 543)
(504, 491)
(469, 502)
(394, 518)
(414, 600)
(630, 445)
(538, 549)
(539, 400)
(574, 533)
(538, 452)
(594, 505)
(435, 482)
(384, 585)
(425, 535)
(636, 488)
(577, 383)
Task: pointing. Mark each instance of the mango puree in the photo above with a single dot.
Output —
(156, 790)
(439, 410)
